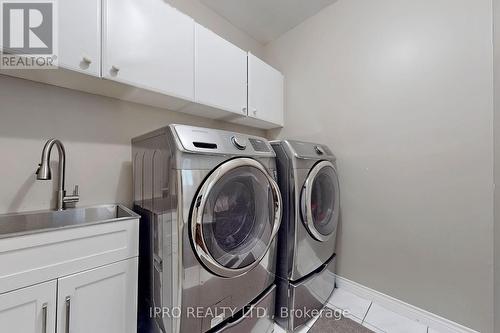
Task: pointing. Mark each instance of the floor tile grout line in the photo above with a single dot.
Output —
(374, 303)
(331, 305)
(376, 327)
(366, 313)
(364, 322)
(350, 316)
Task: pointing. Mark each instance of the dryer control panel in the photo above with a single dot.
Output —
(308, 150)
(211, 141)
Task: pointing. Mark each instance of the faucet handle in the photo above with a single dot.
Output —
(71, 199)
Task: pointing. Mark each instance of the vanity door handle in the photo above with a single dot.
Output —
(44, 317)
(68, 310)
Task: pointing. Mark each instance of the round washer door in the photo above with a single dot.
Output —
(320, 201)
(235, 217)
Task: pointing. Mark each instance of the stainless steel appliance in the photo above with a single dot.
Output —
(309, 185)
(211, 209)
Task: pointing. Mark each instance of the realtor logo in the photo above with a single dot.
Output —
(28, 34)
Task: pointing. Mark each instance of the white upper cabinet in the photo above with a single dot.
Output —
(150, 45)
(80, 35)
(265, 91)
(151, 53)
(29, 310)
(220, 72)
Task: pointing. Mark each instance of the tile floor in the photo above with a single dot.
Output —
(369, 314)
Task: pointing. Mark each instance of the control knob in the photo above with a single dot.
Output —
(239, 143)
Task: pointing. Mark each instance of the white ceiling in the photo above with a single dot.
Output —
(265, 20)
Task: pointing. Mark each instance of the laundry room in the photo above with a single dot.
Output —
(249, 166)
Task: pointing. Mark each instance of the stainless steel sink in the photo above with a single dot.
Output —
(12, 225)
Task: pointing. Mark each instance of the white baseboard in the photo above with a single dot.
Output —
(431, 320)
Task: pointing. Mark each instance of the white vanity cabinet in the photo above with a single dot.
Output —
(150, 45)
(101, 300)
(220, 72)
(80, 36)
(79, 276)
(265, 91)
(29, 310)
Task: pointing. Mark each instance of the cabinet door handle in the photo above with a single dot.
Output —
(115, 69)
(87, 60)
(68, 310)
(44, 317)
(244, 110)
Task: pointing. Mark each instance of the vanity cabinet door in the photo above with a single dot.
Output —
(101, 300)
(80, 35)
(150, 45)
(29, 310)
(265, 91)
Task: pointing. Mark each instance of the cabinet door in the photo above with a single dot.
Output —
(220, 72)
(80, 35)
(150, 45)
(265, 91)
(29, 310)
(101, 300)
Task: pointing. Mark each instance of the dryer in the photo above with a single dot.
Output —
(211, 209)
(309, 185)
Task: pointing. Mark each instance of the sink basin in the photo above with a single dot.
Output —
(12, 225)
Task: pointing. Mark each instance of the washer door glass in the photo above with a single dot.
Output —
(238, 218)
(321, 201)
(239, 213)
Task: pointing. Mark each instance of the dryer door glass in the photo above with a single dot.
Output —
(321, 201)
(239, 217)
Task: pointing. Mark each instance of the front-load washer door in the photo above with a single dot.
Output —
(320, 201)
(235, 217)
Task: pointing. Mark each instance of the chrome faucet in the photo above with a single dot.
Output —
(44, 173)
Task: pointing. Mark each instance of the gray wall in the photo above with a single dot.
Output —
(96, 132)
(402, 92)
(496, 64)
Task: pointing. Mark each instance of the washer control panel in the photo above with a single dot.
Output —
(259, 145)
(319, 150)
(238, 142)
(210, 141)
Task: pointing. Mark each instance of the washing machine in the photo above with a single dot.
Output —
(211, 209)
(308, 180)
